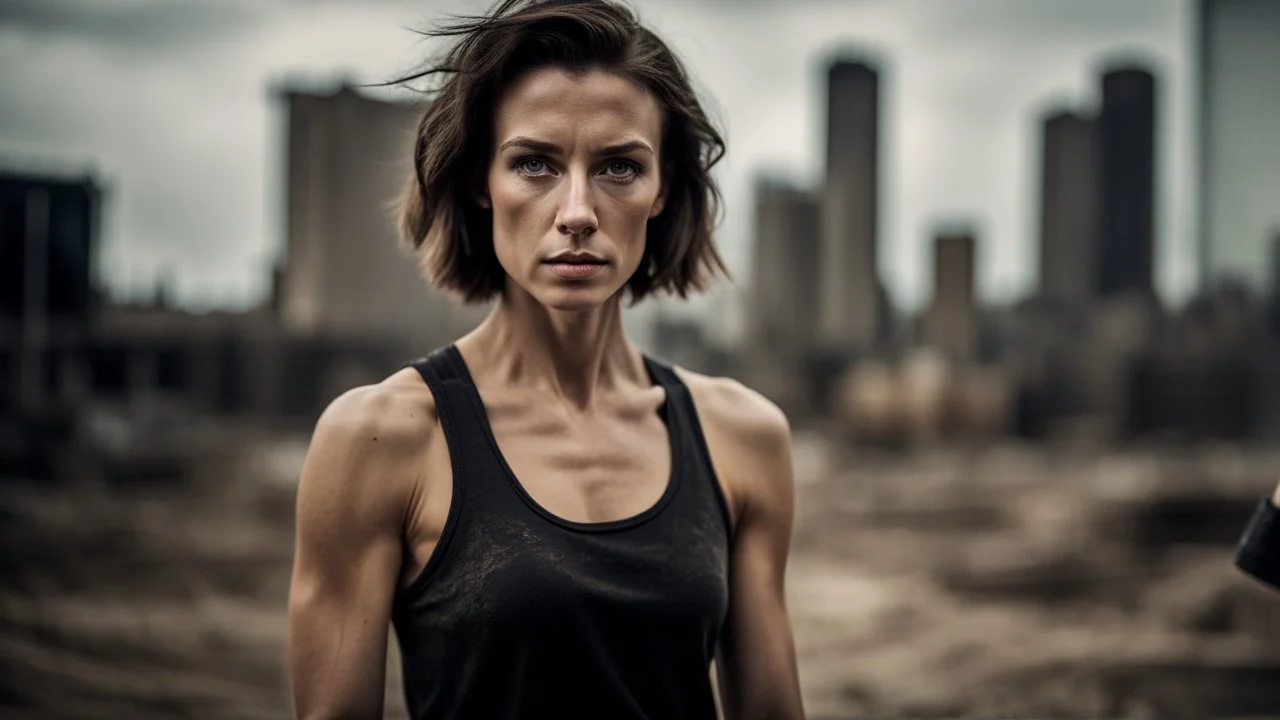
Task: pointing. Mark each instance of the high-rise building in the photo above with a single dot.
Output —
(1068, 209)
(345, 272)
(1239, 158)
(48, 234)
(787, 269)
(951, 321)
(1126, 136)
(850, 312)
(1274, 281)
(1272, 302)
(48, 229)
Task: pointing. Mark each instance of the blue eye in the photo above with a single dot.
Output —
(532, 166)
(621, 169)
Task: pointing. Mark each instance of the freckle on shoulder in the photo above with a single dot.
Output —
(392, 411)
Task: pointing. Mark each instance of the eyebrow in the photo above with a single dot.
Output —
(552, 149)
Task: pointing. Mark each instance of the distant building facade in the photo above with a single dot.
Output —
(1272, 301)
(1126, 136)
(1068, 209)
(787, 269)
(48, 237)
(950, 324)
(1239, 157)
(850, 310)
(344, 272)
(1273, 280)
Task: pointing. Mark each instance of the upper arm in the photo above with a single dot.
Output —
(351, 505)
(750, 443)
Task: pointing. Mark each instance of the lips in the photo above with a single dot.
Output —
(575, 265)
(567, 258)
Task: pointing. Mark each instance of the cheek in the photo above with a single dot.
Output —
(636, 221)
(514, 210)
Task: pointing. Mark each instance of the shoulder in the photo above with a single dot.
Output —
(393, 413)
(737, 412)
(749, 440)
(370, 440)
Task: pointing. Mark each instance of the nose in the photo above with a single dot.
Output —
(577, 214)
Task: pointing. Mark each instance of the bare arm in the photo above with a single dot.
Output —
(750, 443)
(351, 506)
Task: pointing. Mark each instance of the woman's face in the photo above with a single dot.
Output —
(573, 183)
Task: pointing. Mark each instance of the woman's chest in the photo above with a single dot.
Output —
(672, 570)
(600, 469)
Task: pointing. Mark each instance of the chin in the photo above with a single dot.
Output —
(574, 298)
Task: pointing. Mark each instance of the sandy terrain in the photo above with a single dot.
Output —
(945, 583)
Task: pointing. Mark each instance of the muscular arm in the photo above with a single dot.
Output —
(750, 443)
(351, 506)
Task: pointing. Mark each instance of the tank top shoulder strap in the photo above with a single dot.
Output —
(462, 416)
(446, 375)
(662, 373)
(441, 368)
(697, 457)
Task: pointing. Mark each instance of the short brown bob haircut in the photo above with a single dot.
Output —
(439, 215)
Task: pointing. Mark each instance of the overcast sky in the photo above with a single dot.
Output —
(168, 102)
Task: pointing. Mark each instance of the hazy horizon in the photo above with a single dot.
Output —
(169, 103)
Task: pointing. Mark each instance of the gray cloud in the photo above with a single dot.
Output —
(170, 99)
(140, 24)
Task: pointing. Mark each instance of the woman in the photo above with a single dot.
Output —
(556, 525)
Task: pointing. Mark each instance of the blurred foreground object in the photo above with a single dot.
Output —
(1258, 553)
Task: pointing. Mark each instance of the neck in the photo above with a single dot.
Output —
(574, 355)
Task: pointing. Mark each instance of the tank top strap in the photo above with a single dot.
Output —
(457, 401)
(684, 414)
(461, 417)
(440, 368)
(677, 392)
(481, 475)
(450, 385)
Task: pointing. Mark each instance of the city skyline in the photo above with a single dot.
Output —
(944, 118)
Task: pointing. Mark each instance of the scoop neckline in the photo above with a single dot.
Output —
(673, 443)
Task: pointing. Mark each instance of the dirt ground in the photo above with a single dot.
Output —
(962, 582)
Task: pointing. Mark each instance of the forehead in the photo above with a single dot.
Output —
(595, 106)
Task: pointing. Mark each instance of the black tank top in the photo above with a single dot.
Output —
(519, 613)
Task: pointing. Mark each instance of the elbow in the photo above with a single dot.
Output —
(339, 714)
(784, 706)
(781, 711)
(348, 708)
